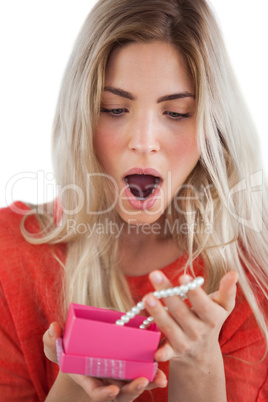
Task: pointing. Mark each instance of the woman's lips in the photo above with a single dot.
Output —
(136, 197)
(138, 170)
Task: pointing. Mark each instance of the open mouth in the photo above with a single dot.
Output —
(142, 186)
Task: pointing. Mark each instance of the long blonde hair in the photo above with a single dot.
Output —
(228, 172)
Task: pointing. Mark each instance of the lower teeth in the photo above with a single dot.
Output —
(143, 198)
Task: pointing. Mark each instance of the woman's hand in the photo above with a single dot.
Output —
(69, 387)
(191, 344)
(189, 330)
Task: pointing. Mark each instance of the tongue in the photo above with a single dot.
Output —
(141, 185)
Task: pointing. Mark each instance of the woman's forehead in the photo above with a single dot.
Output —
(148, 64)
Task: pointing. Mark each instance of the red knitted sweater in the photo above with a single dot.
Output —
(30, 279)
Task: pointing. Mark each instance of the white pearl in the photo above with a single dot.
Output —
(135, 310)
(199, 281)
(191, 285)
(184, 289)
(130, 314)
(163, 293)
(125, 318)
(177, 290)
(120, 322)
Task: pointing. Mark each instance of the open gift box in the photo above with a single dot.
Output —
(94, 345)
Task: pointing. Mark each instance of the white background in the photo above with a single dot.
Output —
(36, 38)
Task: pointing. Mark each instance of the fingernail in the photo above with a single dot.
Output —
(156, 277)
(165, 383)
(51, 331)
(112, 395)
(150, 300)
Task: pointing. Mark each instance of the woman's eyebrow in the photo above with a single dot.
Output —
(179, 95)
(128, 95)
(119, 92)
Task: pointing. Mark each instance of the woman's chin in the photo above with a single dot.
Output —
(142, 218)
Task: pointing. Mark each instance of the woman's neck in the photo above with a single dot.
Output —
(142, 250)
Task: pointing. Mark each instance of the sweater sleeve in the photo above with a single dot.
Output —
(29, 277)
(244, 352)
(15, 380)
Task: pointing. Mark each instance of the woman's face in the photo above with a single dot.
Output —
(146, 134)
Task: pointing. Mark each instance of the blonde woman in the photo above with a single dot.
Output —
(158, 166)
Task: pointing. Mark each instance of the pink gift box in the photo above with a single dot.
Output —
(94, 345)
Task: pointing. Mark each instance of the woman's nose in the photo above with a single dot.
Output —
(144, 134)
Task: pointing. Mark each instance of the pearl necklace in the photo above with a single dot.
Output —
(159, 294)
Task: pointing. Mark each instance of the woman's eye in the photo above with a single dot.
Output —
(114, 112)
(177, 116)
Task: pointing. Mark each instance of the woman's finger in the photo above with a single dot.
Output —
(177, 308)
(164, 353)
(164, 321)
(49, 340)
(98, 392)
(95, 388)
(160, 380)
(207, 307)
(123, 392)
(130, 391)
(226, 294)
